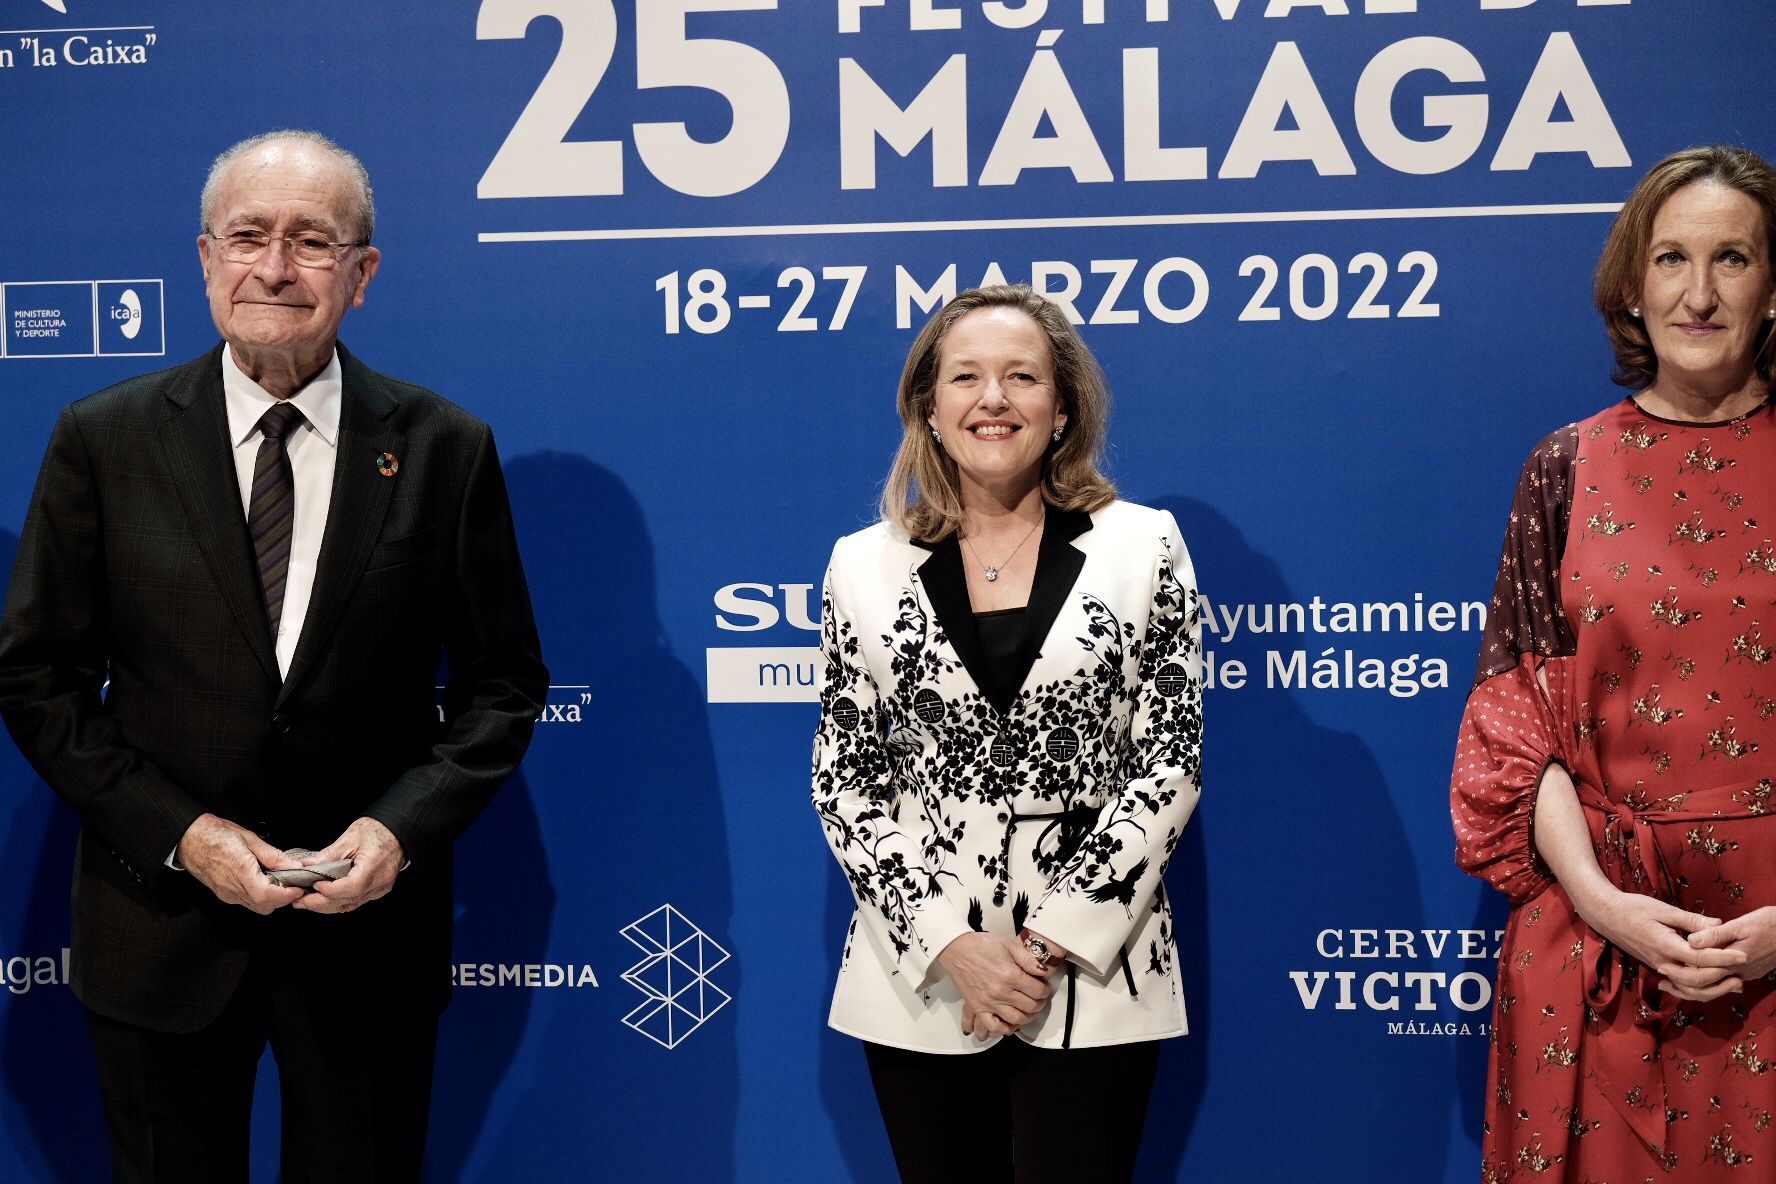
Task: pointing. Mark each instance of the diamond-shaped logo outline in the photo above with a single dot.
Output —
(668, 939)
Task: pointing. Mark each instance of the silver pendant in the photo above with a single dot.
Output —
(992, 574)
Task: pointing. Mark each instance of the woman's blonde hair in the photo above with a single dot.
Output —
(1622, 269)
(922, 495)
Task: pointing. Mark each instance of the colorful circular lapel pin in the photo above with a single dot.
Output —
(388, 464)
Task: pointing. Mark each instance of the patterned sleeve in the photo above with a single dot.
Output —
(1518, 716)
(1097, 897)
(854, 794)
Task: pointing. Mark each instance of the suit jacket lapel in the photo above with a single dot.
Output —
(361, 496)
(1058, 565)
(194, 439)
(946, 586)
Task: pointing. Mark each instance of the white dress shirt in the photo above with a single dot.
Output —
(312, 449)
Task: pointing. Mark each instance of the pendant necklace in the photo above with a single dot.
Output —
(991, 570)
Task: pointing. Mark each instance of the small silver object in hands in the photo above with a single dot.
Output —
(306, 877)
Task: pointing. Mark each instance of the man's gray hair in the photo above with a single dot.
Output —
(366, 200)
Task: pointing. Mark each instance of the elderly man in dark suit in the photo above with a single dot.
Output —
(235, 589)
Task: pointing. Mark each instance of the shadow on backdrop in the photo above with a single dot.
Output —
(628, 803)
(53, 1120)
(1305, 836)
(505, 906)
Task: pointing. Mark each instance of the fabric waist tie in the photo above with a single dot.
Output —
(1630, 1065)
(1073, 825)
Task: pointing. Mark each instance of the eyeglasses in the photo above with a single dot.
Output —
(305, 248)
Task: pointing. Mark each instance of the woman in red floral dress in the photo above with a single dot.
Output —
(1616, 770)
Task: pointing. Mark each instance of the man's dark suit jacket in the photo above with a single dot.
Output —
(136, 568)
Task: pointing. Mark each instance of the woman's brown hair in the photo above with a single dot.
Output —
(1622, 268)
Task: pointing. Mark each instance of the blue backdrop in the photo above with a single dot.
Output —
(1335, 256)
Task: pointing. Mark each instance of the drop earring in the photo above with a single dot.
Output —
(1056, 438)
(937, 436)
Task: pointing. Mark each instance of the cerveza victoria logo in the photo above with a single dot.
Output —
(1418, 982)
(674, 975)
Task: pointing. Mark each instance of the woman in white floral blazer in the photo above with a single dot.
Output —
(1009, 745)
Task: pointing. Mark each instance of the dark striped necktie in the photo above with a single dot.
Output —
(271, 510)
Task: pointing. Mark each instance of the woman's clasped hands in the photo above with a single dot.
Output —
(1698, 958)
(1003, 984)
(1752, 937)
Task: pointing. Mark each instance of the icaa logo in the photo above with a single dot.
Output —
(128, 308)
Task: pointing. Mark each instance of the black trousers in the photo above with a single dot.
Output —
(356, 1086)
(1015, 1114)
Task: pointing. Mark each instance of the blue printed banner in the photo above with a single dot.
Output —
(1336, 259)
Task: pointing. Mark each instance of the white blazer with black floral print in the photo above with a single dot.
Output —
(1056, 808)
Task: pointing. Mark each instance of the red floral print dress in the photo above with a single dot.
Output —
(1627, 641)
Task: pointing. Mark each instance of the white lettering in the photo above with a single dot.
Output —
(1142, 157)
(1042, 277)
(1310, 999)
(866, 113)
(1045, 91)
(1015, 16)
(1463, 115)
(1286, 86)
(908, 293)
(1119, 270)
(1560, 74)
(732, 602)
(925, 14)
(529, 975)
(1482, 990)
